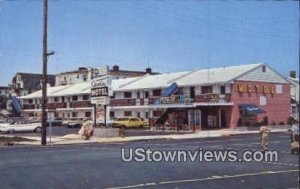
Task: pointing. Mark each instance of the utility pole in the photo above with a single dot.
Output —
(45, 77)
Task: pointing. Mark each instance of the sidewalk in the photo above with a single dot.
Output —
(76, 139)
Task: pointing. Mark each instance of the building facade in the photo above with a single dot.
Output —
(214, 98)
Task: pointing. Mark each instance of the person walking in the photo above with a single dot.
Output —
(264, 132)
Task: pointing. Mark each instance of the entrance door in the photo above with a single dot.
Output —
(194, 117)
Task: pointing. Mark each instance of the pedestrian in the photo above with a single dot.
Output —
(86, 129)
(264, 132)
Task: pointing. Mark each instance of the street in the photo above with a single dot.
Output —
(100, 166)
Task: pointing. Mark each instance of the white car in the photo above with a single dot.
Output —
(20, 127)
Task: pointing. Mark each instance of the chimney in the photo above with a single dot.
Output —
(293, 74)
(115, 68)
(148, 70)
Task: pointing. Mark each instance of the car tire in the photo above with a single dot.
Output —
(11, 131)
(38, 130)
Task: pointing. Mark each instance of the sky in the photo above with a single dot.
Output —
(166, 35)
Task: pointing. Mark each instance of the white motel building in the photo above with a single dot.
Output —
(223, 97)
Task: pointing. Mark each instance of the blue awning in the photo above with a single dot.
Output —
(251, 109)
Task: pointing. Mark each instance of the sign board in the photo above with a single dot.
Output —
(101, 71)
(100, 114)
(101, 90)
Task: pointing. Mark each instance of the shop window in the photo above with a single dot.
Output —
(127, 94)
(127, 113)
(74, 98)
(222, 89)
(88, 114)
(86, 97)
(112, 114)
(157, 92)
(206, 89)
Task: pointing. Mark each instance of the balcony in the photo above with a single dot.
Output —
(56, 105)
(80, 104)
(175, 99)
(28, 106)
(213, 98)
(123, 102)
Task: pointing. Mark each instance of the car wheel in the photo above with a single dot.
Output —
(11, 131)
(38, 130)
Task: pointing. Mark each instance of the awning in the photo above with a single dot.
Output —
(251, 109)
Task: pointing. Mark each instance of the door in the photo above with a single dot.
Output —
(223, 118)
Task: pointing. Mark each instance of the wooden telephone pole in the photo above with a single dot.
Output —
(45, 77)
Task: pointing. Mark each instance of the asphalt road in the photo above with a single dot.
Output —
(100, 166)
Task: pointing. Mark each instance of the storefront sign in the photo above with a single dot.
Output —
(100, 91)
(252, 88)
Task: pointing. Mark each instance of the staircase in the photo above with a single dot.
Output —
(164, 117)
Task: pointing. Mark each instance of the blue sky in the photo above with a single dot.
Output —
(172, 35)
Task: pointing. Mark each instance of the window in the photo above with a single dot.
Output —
(127, 94)
(138, 114)
(113, 96)
(30, 101)
(74, 98)
(157, 92)
(86, 97)
(263, 68)
(157, 113)
(138, 95)
(222, 89)
(262, 100)
(88, 114)
(206, 89)
(55, 99)
(147, 115)
(127, 113)
(112, 114)
(74, 114)
(146, 94)
(279, 89)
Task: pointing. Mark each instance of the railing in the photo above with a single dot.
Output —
(213, 98)
(56, 105)
(80, 104)
(123, 102)
(28, 106)
(176, 99)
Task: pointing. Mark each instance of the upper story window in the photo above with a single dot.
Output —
(146, 94)
(74, 98)
(206, 89)
(263, 68)
(86, 97)
(30, 101)
(222, 89)
(138, 95)
(157, 92)
(55, 99)
(127, 94)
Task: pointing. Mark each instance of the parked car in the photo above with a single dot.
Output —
(55, 121)
(128, 122)
(20, 127)
(73, 123)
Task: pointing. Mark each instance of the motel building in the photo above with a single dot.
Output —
(225, 97)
